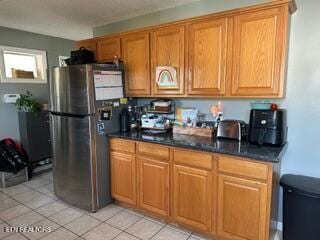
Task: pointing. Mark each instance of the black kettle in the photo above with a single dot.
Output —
(124, 120)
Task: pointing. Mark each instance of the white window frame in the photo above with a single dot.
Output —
(44, 65)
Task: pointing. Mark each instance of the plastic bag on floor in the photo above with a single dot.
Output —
(12, 158)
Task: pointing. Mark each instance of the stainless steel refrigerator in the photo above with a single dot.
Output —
(81, 113)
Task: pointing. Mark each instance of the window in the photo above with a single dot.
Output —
(19, 65)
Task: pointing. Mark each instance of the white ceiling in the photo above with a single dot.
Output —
(74, 19)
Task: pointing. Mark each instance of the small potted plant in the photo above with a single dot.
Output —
(27, 103)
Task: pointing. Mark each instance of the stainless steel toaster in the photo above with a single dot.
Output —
(232, 129)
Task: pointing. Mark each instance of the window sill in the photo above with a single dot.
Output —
(22, 80)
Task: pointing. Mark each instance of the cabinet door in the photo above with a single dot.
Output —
(259, 47)
(153, 178)
(207, 57)
(123, 177)
(135, 50)
(107, 49)
(192, 197)
(167, 49)
(89, 44)
(242, 209)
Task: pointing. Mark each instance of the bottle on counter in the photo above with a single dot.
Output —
(133, 116)
(139, 113)
(124, 120)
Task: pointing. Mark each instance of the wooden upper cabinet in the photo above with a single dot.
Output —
(207, 57)
(259, 50)
(89, 44)
(153, 176)
(192, 189)
(123, 177)
(108, 48)
(242, 209)
(136, 58)
(168, 49)
(239, 53)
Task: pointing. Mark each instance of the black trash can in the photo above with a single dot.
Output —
(301, 207)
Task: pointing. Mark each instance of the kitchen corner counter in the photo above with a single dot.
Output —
(231, 147)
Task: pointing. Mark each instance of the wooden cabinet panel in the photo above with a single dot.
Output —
(122, 145)
(192, 158)
(89, 44)
(123, 177)
(167, 49)
(135, 50)
(154, 185)
(242, 167)
(216, 195)
(107, 49)
(242, 209)
(192, 197)
(207, 57)
(153, 150)
(259, 47)
(238, 54)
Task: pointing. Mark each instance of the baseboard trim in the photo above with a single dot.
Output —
(276, 225)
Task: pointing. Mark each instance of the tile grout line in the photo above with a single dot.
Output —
(123, 210)
(33, 210)
(157, 232)
(87, 214)
(84, 213)
(51, 182)
(101, 222)
(45, 217)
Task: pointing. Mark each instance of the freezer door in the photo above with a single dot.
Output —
(74, 166)
(71, 90)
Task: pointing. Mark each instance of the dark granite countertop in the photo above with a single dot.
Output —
(224, 146)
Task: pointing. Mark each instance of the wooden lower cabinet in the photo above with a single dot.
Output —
(242, 208)
(123, 177)
(219, 195)
(192, 197)
(153, 180)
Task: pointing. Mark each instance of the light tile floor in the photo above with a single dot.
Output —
(34, 204)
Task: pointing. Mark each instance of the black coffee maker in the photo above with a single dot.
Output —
(268, 127)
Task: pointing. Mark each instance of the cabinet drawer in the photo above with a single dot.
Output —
(154, 150)
(122, 145)
(244, 168)
(192, 158)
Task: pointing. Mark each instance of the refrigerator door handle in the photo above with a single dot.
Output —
(71, 115)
